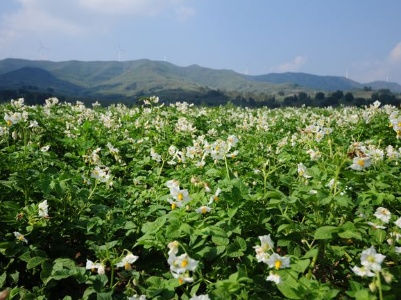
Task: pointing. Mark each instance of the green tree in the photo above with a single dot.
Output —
(349, 97)
(319, 96)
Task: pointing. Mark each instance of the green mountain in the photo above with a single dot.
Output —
(116, 80)
(39, 79)
(322, 83)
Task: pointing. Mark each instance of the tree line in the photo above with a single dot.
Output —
(211, 97)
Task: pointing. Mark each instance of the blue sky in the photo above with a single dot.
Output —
(360, 39)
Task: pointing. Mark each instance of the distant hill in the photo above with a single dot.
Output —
(28, 77)
(392, 86)
(113, 79)
(322, 83)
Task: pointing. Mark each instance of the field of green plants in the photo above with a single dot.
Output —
(184, 202)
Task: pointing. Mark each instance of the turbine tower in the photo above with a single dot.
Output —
(119, 51)
(41, 50)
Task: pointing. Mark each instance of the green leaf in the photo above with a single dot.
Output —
(105, 296)
(300, 265)
(61, 274)
(276, 195)
(232, 251)
(350, 234)
(151, 240)
(156, 286)
(380, 235)
(325, 232)
(213, 173)
(220, 241)
(237, 248)
(3, 279)
(89, 291)
(152, 227)
(173, 230)
(195, 289)
(284, 226)
(217, 231)
(46, 272)
(241, 242)
(35, 261)
(343, 201)
(99, 283)
(185, 228)
(60, 263)
(26, 256)
(232, 212)
(289, 285)
(4, 246)
(362, 295)
(311, 253)
(14, 276)
(240, 190)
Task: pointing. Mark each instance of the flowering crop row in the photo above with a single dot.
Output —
(184, 202)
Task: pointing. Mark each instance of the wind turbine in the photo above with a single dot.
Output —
(40, 51)
(119, 51)
(346, 73)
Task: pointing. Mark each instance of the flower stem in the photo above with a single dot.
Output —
(227, 170)
(94, 188)
(314, 260)
(379, 285)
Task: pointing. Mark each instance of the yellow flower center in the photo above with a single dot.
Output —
(127, 266)
(180, 196)
(361, 162)
(371, 259)
(21, 238)
(184, 263)
(277, 264)
(173, 206)
(216, 198)
(204, 210)
(180, 280)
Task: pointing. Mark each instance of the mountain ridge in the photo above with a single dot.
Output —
(144, 76)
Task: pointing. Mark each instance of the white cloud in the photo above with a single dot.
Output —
(125, 7)
(52, 21)
(395, 53)
(75, 17)
(291, 66)
(39, 17)
(385, 68)
(369, 71)
(183, 13)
